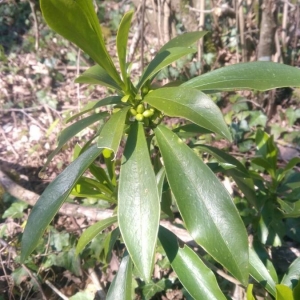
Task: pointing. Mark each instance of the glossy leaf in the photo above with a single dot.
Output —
(239, 173)
(284, 293)
(263, 255)
(260, 273)
(190, 104)
(120, 287)
(77, 21)
(71, 131)
(160, 177)
(122, 39)
(112, 132)
(257, 75)
(97, 75)
(93, 231)
(186, 39)
(52, 198)
(96, 104)
(205, 205)
(292, 276)
(163, 59)
(195, 276)
(139, 206)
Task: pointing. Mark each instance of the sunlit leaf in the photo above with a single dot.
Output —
(91, 105)
(97, 75)
(292, 276)
(122, 38)
(112, 132)
(120, 287)
(92, 231)
(257, 75)
(71, 131)
(205, 206)
(163, 59)
(195, 276)
(190, 104)
(139, 207)
(52, 198)
(77, 21)
(260, 273)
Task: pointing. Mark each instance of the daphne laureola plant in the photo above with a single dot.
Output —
(205, 206)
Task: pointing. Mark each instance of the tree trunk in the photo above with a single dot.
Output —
(267, 31)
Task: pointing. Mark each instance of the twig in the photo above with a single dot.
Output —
(36, 24)
(77, 74)
(142, 34)
(207, 11)
(74, 210)
(33, 277)
(13, 251)
(9, 143)
(60, 294)
(94, 278)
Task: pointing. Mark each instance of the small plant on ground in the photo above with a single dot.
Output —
(138, 190)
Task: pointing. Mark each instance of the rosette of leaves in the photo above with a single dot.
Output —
(206, 208)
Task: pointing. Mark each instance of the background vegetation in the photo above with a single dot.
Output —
(37, 90)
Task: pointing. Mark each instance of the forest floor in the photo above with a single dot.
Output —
(37, 91)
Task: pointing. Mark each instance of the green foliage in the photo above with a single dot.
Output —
(208, 212)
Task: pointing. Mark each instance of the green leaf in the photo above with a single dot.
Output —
(264, 257)
(163, 59)
(120, 287)
(69, 261)
(59, 240)
(86, 295)
(291, 278)
(97, 75)
(195, 276)
(77, 21)
(95, 104)
(160, 178)
(122, 39)
(190, 104)
(52, 198)
(290, 209)
(260, 273)
(139, 206)
(71, 131)
(15, 211)
(292, 163)
(205, 205)
(283, 292)
(152, 288)
(92, 231)
(296, 291)
(186, 39)
(239, 174)
(249, 292)
(112, 132)
(257, 75)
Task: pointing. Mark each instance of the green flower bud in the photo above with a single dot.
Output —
(140, 109)
(148, 113)
(139, 117)
(106, 153)
(145, 90)
(133, 111)
(138, 97)
(125, 98)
